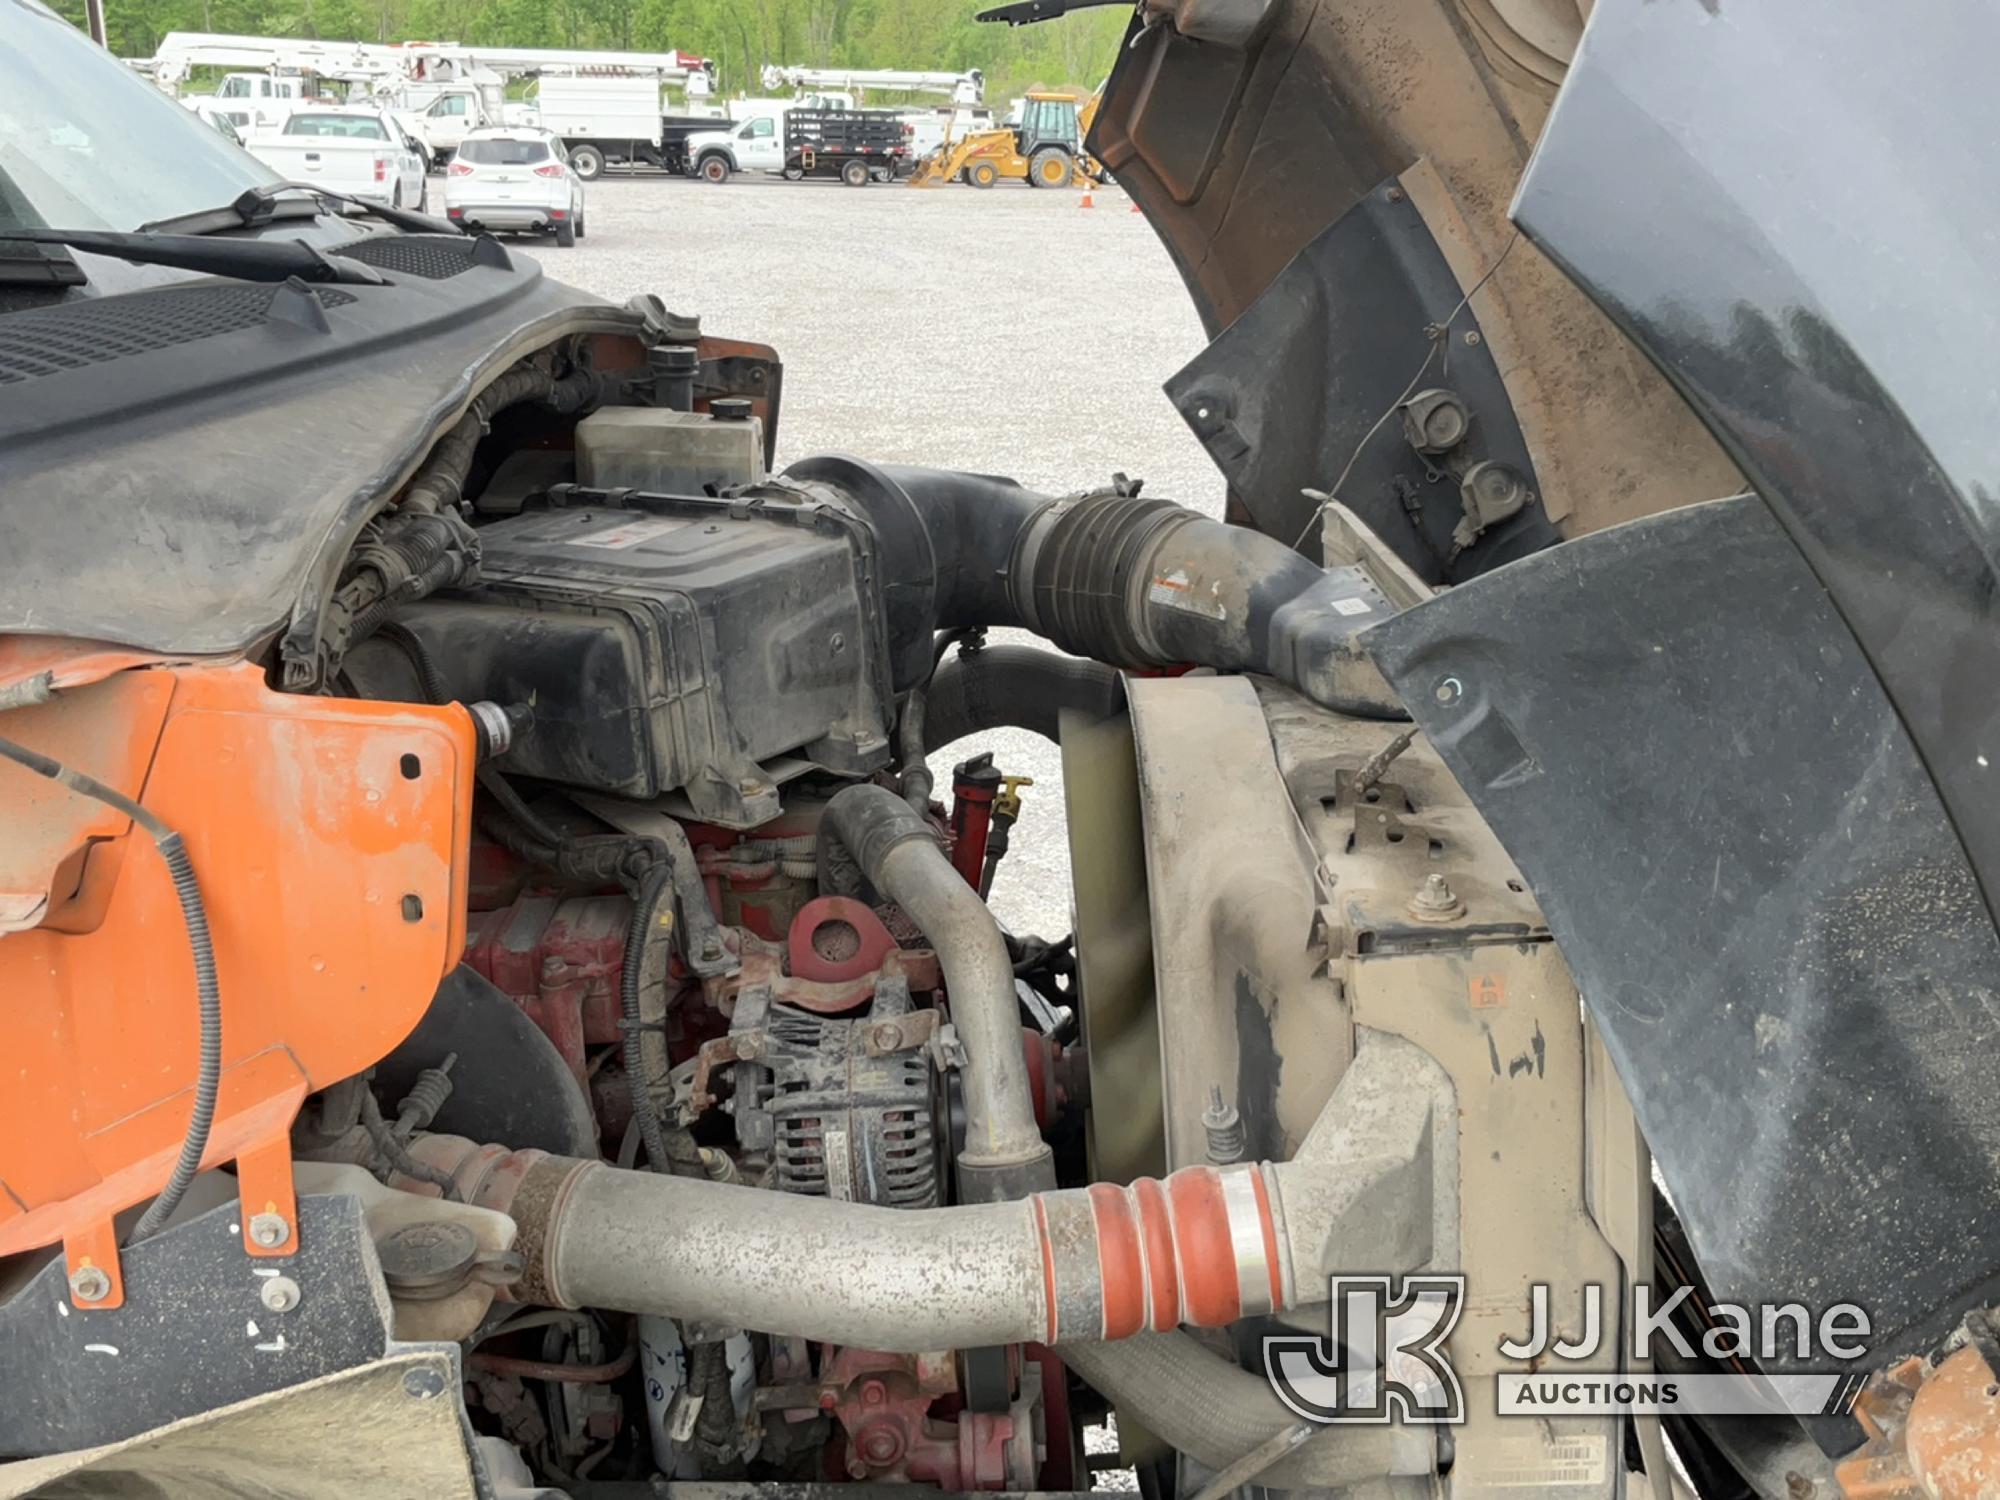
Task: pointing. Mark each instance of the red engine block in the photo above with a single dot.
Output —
(901, 1417)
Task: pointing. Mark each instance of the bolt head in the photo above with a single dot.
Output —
(888, 1036)
(279, 1293)
(881, 1445)
(89, 1284)
(873, 1393)
(269, 1230)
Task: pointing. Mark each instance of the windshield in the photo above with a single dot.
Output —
(86, 143)
(349, 127)
(489, 152)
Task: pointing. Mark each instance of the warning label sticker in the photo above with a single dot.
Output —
(631, 534)
(1176, 590)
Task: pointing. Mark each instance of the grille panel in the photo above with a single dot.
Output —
(50, 340)
(430, 256)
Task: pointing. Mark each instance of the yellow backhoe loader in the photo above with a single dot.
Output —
(1045, 149)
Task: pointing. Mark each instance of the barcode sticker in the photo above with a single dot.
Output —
(1536, 1463)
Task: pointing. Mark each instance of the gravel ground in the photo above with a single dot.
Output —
(1009, 331)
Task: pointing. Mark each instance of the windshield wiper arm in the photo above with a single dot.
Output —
(260, 205)
(244, 260)
(249, 211)
(403, 218)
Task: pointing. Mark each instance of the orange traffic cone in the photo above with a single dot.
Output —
(1088, 202)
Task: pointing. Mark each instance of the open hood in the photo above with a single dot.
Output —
(1331, 181)
(1745, 750)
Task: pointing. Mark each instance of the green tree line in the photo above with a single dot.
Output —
(741, 35)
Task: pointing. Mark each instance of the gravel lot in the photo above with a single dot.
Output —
(1009, 331)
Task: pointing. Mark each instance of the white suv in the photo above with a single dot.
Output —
(516, 177)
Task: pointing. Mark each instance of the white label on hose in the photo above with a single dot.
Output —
(631, 534)
(1176, 590)
(1544, 1463)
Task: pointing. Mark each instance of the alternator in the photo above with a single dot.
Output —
(851, 1120)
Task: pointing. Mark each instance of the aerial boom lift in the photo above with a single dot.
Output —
(962, 88)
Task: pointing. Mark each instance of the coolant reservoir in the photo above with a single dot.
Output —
(670, 452)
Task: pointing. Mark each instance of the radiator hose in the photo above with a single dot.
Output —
(896, 849)
(1019, 687)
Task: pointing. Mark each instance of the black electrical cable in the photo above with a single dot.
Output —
(391, 1148)
(208, 994)
(430, 679)
(652, 909)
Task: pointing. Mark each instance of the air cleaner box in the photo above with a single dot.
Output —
(674, 644)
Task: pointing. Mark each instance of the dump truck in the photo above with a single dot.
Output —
(495, 992)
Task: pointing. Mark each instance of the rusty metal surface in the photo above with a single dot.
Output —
(1241, 158)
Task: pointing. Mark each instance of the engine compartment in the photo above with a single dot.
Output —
(741, 1142)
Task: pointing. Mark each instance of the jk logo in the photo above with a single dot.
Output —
(1382, 1358)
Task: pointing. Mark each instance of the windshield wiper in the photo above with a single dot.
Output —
(244, 260)
(261, 205)
(36, 265)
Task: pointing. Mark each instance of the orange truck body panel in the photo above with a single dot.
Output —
(329, 840)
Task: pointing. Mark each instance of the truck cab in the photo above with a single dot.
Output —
(443, 114)
(755, 145)
(265, 100)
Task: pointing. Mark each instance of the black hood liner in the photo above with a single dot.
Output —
(1292, 395)
(1792, 207)
(1756, 886)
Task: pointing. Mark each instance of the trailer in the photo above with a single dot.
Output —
(855, 145)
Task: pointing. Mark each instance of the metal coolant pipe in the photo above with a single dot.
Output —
(1204, 1247)
(1005, 1155)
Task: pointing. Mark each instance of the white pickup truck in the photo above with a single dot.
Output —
(357, 149)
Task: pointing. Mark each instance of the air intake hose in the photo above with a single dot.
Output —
(1111, 575)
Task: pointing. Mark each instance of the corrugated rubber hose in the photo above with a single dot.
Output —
(208, 995)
